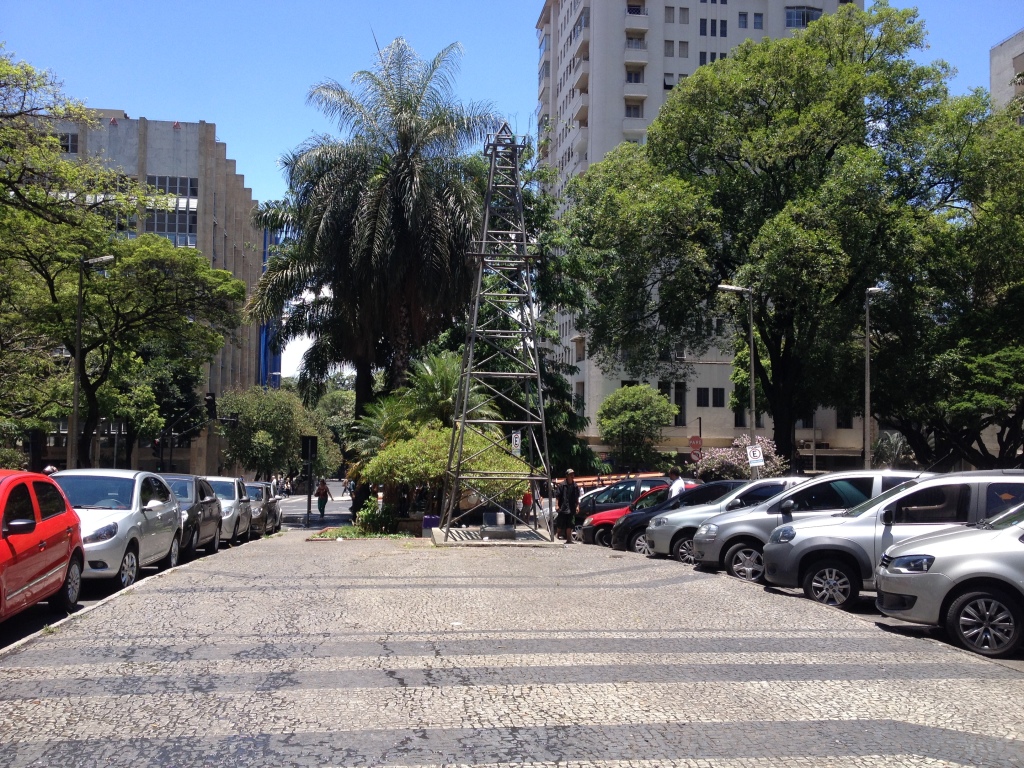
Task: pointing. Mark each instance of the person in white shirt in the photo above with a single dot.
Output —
(678, 484)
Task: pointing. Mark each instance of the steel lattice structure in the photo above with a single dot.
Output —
(500, 392)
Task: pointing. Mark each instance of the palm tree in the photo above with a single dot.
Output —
(382, 219)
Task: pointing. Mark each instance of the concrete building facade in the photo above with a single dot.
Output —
(605, 69)
(1006, 61)
(212, 214)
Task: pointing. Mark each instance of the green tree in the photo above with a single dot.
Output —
(631, 419)
(807, 169)
(382, 218)
(267, 437)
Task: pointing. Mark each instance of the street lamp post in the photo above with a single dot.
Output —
(72, 454)
(750, 322)
(867, 374)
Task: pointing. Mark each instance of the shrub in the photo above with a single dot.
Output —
(731, 463)
(374, 520)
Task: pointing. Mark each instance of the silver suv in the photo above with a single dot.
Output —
(734, 540)
(671, 533)
(833, 558)
(971, 580)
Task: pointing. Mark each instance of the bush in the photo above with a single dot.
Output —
(731, 463)
(374, 520)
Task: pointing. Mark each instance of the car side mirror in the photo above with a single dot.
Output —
(887, 516)
(245, 499)
(19, 527)
(734, 504)
(153, 503)
(787, 506)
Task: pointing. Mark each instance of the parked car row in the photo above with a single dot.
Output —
(945, 550)
(108, 523)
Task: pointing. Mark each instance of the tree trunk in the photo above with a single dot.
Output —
(87, 426)
(364, 386)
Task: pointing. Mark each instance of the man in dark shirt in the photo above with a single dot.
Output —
(568, 505)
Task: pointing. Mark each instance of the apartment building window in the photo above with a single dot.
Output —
(665, 390)
(180, 186)
(684, 15)
(713, 57)
(703, 58)
(743, 21)
(636, 10)
(844, 419)
(69, 143)
(637, 43)
(679, 396)
(722, 27)
(739, 418)
(684, 49)
(580, 398)
(177, 226)
(670, 14)
(714, 27)
(702, 397)
(758, 21)
(628, 383)
(581, 348)
(718, 397)
(634, 109)
(669, 81)
(703, 27)
(634, 75)
(799, 16)
(670, 47)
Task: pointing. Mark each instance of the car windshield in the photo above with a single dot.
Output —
(225, 489)
(183, 489)
(255, 492)
(1011, 517)
(97, 492)
(864, 506)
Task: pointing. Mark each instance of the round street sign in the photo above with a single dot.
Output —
(696, 455)
(696, 443)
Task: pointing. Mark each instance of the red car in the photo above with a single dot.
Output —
(41, 553)
(597, 529)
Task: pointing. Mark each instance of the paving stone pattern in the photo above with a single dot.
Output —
(380, 653)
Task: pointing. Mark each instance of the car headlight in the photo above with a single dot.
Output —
(101, 534)
(782, 534)
(708, 531)
(911, 564)
(658, 522)
(256, 512)
(589, 520)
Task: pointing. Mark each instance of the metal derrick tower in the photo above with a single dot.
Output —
(499, 447)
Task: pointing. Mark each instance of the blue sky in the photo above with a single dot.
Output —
(247, 66)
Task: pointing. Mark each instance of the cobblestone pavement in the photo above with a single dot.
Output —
(384, 653)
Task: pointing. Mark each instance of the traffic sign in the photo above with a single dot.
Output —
(755, 456)
(696, 443)
(696, 455)
(517, 442)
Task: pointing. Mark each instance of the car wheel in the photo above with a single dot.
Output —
(129, 570)
(744, 561)
(65, 600)
(682, 548)
(173, 554)
(638, 543)
(603, 537)
(577, 534)
(193, 543)
(214, 544)
(831, 582)
(236, 537)
(986, 621)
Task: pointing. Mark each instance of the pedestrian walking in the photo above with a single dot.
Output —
(322, 493)
(678, 484)
(568, 506)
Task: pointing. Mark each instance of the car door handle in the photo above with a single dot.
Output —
(42, 545)
(69, 530)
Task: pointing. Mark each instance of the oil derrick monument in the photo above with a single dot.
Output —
(499, 451)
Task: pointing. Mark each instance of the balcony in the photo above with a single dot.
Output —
(579, 106)
(580, 46)
(580, 79)
(634, 127)
(636, 90)
(637, 18)
(580, 138)
(636, 52)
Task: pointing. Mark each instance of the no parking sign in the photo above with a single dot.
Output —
(755, 456)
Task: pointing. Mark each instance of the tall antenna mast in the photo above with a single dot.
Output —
(499, 444)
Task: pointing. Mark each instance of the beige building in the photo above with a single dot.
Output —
(1006, 61)
(212, 212)
(606, 67)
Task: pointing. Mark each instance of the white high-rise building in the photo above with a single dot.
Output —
(1006, 61)
(606, 67)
